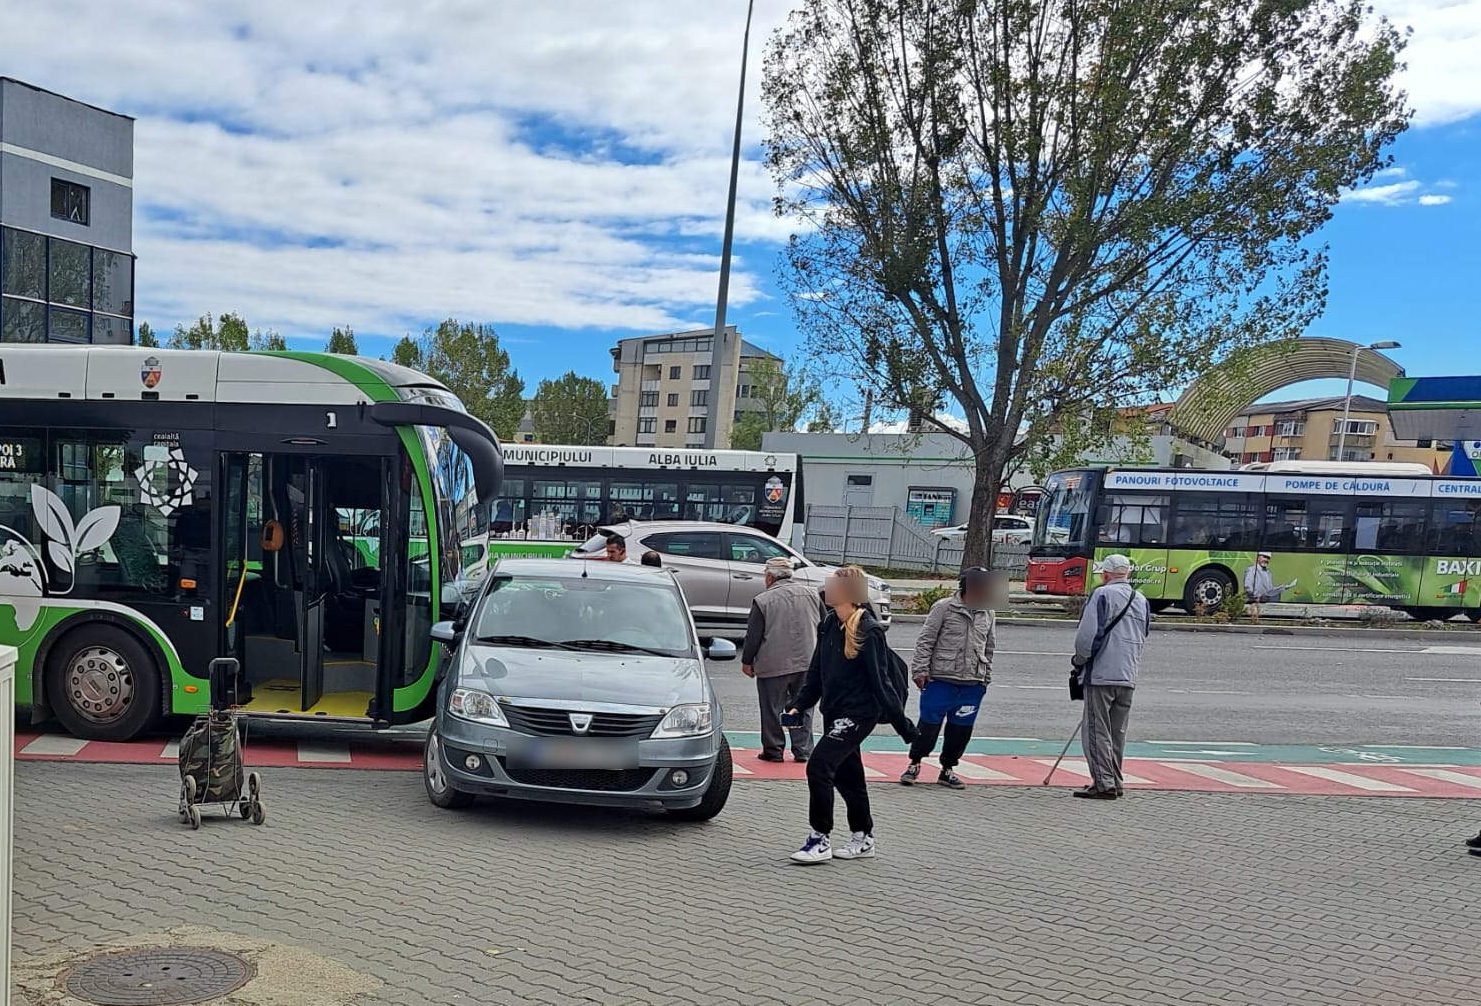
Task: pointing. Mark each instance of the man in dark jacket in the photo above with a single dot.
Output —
(781, 635)
(952, 665)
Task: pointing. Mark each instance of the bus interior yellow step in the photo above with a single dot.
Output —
(282, 695)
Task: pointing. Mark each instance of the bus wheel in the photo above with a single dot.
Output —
(1207, 591)
(1474, 614)
(103, 685)
(1159, 606)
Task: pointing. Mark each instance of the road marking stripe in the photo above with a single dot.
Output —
(1216, 774)
(1077, 766)
(337, 753)
(1446, 775)
(1460, 650)
(1468, 681)
(1346, 779)
(971, 770)
(1413, 747)
(54, 744)
(170, 750)
(873, 773)
(739, 769)
(1213, 744)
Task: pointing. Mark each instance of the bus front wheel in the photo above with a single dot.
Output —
(1207, 591)
(102, 684)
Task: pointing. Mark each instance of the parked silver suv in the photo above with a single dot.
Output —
(720, 567)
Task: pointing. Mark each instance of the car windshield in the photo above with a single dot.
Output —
(586, 613)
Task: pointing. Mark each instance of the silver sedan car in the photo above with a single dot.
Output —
(579, 683)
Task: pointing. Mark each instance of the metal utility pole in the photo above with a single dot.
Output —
(1352, 373)
(720, 350)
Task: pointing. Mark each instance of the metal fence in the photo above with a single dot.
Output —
(885, 537)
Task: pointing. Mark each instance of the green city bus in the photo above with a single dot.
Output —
(159, 509)
(1338, 533)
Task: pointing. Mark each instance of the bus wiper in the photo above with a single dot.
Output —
(614, 646)
(530, 642)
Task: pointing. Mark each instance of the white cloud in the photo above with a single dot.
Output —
(1433, 200)
(1443, 78)
(1405, 193)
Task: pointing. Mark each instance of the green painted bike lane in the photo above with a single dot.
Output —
(1224, 751)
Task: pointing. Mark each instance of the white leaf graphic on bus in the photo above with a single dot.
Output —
(23, 575)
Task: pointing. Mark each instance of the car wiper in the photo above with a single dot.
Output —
(527, 641)
(615, 647)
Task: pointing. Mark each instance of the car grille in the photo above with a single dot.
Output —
(557, 722)
(600, 780)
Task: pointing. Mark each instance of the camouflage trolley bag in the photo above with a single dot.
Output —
(211, 769)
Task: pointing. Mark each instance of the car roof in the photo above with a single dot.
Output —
(633, 527)
(599, 569)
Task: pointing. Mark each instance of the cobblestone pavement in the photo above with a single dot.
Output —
(986, 896)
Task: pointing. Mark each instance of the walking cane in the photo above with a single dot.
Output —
(1061, 755)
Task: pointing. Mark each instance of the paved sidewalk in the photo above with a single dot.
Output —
(987, 896)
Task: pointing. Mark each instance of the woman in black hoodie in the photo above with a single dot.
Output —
(849, 674)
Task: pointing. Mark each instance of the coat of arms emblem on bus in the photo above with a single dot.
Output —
(775, 490)
(166, 481)
(151, 372)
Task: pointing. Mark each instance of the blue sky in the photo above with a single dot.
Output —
(559, 170)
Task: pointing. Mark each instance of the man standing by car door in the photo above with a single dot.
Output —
(781, 634)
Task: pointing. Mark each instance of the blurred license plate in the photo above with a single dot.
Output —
(558, 752)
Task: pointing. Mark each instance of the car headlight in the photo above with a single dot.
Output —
(687, 721)
(480, 707)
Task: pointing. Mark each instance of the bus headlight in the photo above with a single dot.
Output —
(480, 707)
(692, 720)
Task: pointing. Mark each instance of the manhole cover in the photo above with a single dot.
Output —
(164, 976)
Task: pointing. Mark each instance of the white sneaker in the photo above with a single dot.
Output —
(817, 849)
(859, 846)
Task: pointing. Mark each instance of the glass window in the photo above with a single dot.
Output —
(22, 321)
(575, 504)
(670, 425)
(673, 400)
(730, 503)
(111, 331)
(23, 262)
(752, 549)
(70, 271)
(68, 326)
(702, 372)
(1133, 519)
(642, 501)
(647, 399)
(1064, 511)
(70, 201)
(687, 544)
(1395, 527)
(675, 373)
(1216, 521)
(1454, 528)
(418, 647)
(697, 424)
(1315, 524)
(647, 425)
(699, 398)
(113, 282)
(508, 513)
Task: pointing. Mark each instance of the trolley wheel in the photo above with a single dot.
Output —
(183, 816)
(254, 784)
(195, 817)
(245, 809)
(190, 790)
(259, 813)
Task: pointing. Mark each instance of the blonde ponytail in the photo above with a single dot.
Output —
(857, 583)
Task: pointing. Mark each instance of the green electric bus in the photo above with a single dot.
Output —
(159, 509)
(1337, 532)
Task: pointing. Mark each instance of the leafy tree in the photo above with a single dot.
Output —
(408, 353)
(825, 420)
(570, 410)
(145, 336)
(782, 395)
(1031, 208)
(467, 358)
(342, 340)
(227, 333)
(269, 341)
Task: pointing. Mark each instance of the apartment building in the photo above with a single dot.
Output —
(1310, 429)
(664, 386)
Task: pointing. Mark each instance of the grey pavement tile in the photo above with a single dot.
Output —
(999, 896)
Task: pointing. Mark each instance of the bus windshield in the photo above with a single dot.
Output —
(1063, 526)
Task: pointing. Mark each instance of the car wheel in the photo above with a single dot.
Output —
(103, 684)
(716, 793)
(440, 788)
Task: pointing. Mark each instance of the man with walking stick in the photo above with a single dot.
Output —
(1108, 652)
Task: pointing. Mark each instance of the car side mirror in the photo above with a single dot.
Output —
(721, 649)
(797, 563)
(446, 633)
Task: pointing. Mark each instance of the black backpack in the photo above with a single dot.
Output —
(897, 675)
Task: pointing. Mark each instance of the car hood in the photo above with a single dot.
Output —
(614, 678)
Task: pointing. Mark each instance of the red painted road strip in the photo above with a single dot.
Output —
(1459, 782)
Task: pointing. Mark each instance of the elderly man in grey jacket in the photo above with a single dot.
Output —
(781, 635)
(1108, 652)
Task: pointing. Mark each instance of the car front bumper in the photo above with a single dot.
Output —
(650, 784)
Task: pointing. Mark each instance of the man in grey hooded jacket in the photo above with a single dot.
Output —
(1108, 652)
